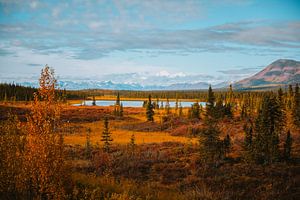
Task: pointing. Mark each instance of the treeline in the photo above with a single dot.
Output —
(200, 95)
(15, 92)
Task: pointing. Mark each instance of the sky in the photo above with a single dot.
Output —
(146, 42)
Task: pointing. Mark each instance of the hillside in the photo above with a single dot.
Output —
(280, 72)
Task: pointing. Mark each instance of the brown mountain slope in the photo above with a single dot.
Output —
(280, 72)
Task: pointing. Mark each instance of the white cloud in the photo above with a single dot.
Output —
(34, 4)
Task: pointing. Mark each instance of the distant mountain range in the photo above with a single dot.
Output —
(75, 85)
(280, 72)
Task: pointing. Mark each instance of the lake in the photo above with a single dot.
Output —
(135, 103)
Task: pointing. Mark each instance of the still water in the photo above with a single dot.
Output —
(133, 103)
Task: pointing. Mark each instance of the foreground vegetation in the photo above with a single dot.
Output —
(242, 145)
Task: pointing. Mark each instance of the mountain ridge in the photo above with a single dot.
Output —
(281, 72)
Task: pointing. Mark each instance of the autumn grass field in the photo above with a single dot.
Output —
(79, 120)
(164, 163)
(120, 135)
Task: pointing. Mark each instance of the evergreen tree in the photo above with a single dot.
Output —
(227, 145)
(247, 146)
(230, 95)
(118, 99)
(210, 144)
(176, 105)
(210, 105)
(280, 98)
(180, 110)
(219, 109)
(228, 110)
(118, 107)
(149, 110)
(195, 111)
(248, 137)
(287, 146)
(94, 101)
(296, 106)
(280, 95)
(268, 126)
(290, 97)
(106, 136)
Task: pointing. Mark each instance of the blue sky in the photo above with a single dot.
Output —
(138, 40)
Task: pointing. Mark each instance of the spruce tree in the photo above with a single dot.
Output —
(247, 146)
(280, 98)
(210, 104)
(230, 95)
(228, 110)
(106, 137)
(118, 99)
(296, 106)
(180, 110)
(118, 107)
(268, 126)
(219, 109)
(248, 137)
(290, 97)
(280, 95)
(210, 144)
(227, 145)
(94, 101)
(149, 110)
(287, 146)
(176, 105)
(195, 111)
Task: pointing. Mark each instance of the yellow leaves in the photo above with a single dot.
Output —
(34, 162)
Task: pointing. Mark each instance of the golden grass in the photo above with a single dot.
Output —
(123, 137)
